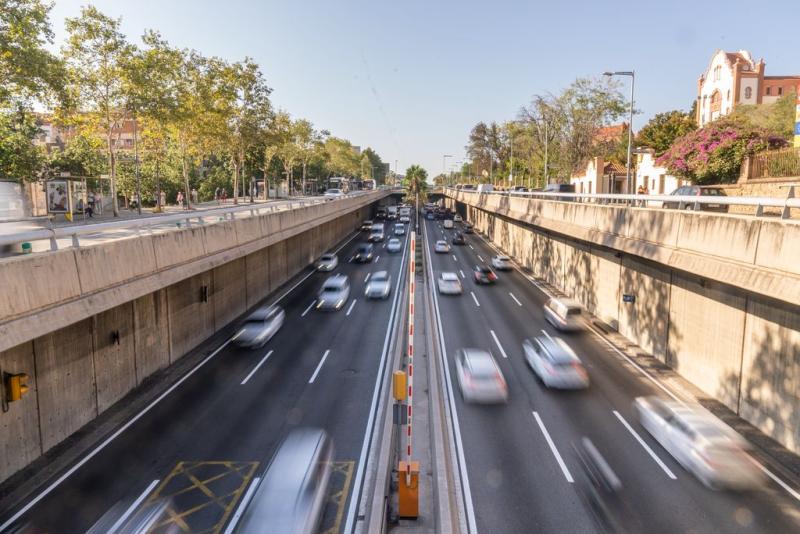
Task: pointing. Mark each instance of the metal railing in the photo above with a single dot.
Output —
(775, 163)
(186, 219)
(682, 202)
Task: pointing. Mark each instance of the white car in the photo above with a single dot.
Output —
(564, 314)
(480, 377)
(457, 218)
(333, 194)
(399, 229)
(502, 263)
(334, 293)
(260, 326)
(555, 363)
(379, 286)
(449, 284)
(448, 224)
(701, 443)
(405, 219)
(394, 245)
(327, 262)
(441, 247)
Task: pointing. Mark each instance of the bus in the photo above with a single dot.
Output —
(369, 185)
(339, 182)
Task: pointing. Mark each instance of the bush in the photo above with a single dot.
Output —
(714, 154)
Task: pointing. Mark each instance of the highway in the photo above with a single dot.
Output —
(206, 440)
(523, 475)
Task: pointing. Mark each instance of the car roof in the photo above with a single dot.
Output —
(502, 257)
(262, 313)
(441, 242)
(483, 268)
(480, 362)
(449, 276)
(380, 275)
(394, 240)
(558, 349)
(335, 281)
(328, 255)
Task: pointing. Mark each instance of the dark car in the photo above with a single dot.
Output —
(430, 216)
(484, 275)
(519, 189)
(458, 238)
(364, 253)
(698, 191)
(560, 188)
(468, 227)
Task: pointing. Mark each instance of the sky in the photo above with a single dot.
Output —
(410, 78)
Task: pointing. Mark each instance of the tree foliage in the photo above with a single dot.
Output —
(777, 117)
(663, 129)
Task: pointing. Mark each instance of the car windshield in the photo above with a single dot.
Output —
(327, 257)
(482, 366)
(449, 277)
(380, 276)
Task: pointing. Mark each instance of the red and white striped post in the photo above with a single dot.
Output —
(411, 269)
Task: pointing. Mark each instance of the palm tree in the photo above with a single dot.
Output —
(416, 183)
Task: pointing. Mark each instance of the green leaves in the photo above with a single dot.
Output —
(663, 129)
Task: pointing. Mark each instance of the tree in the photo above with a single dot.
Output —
(663, 129)
(416, 182)
(288, 151)
(777, 117)
(342, 157)
(714, 154)
(19, 158)
(376, 168)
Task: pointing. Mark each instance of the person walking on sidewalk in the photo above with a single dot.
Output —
(179, 199)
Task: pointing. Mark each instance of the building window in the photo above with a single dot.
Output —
(717, 73)
(769, 91)
(780, 91)
(748, 92)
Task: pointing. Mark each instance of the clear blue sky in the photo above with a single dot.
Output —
(411, 77)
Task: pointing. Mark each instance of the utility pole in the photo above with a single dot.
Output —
(632, 74)
(136, 166)
(546, 140)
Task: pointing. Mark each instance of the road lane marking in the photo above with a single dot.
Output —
(454, 258)
(645, 446)
(547, 335)
(319, 366)
(351, 307)
(242, 505)
(259, 364)
(497, 342)
(367, 278)
(478, 304)
(473, 248)
(124, 517)
(309, 308)
(482, 260)
(377, 258)
(552, 445)
(515, 298)
(462, 273)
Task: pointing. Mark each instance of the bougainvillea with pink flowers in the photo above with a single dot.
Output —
(714, 154)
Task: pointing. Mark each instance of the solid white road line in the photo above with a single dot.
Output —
(309, 308)
(462, 273)
(124, 517)
(479, 257)
(454, 258)
(351, 307)
(242, 505)
(478, 304)
(560, 460)
(547, 335)
(473, 248)
(259, 364)
(367, 278)
(377, 258)
(497, 342)
(515, 298)
(319, 366)
(645, 446)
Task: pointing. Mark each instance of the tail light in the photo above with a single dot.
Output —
(500, 381)
(579, 369)
(492, 276)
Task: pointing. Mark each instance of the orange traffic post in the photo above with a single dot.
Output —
(408, 490)
(399, 385)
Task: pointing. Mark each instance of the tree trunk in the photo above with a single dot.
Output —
(185, 168)
(112, 169)
(235, 164)
(304, 178)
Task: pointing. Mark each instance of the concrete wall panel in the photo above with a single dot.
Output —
(228, 295)
(151, 334)
(219, 236)
(728, 237)
(278, 273)
(173, 248)
(191, 320)
(257, 273)
(20, 442)
(775, 243)
(646, 320)
(605, 271)
(114, 262)
(114, 361)
(18, 295)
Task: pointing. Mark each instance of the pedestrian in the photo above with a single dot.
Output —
(194, 196)
(98, 202)
(224, 195)
(163, 199)
(179, 198)
(216, 195)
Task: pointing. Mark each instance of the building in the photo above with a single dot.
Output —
(656, 180)
(53, 135)
(733, 79)
(600, 177)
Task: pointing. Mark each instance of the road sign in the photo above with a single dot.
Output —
(628, 298)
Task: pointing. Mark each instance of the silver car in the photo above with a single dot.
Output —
(441, 247)
(480, 377)
(260, 326)
(334, 293)
(327, 262)
(502, 263)
(555, 363)
(449, 284)
(564, 314)
(290, 499)
(394, 245)
(379, 286)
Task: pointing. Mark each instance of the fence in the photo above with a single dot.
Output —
(775, 163)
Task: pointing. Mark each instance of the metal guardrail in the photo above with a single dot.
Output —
(642, 201)
(188, 218)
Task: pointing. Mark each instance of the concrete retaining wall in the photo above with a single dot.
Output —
(715, 297)
(80, 370)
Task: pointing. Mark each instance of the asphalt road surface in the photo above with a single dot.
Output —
(523, 473)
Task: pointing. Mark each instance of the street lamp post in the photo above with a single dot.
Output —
(630, 124)
(444, 164)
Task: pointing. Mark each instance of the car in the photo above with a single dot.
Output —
(405, 219)
(333, 194)
(366, 226)
(458, 239)
(448, 224)
(698, 191)
(399, 229)
(468, 228)
(564, 314)
(559, 188)
(260, 326)
(700, 442)
(479, 377)
(292, 493)
(327, 262)
(457, 218)
(484, 275)
(502, 263)
(381, 213)
(334, 293)
(555, 363)
(394, 245)
(485, 188)
(379, 286)
(441, 247)
(519, 189)
(449, 284)
(376, 234)
(364, 252)
(431, 216)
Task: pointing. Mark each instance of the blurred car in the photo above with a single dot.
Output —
(379, 286)
(260, 326)
(502, 263)
(399, 229)
(555, 363)
(441, 247)
(430, 216)
(366, 226)
(484, 275)
(333, 194)
(468, 228)
(458, 239)
(122, 519)
(334, 293)
(457, 218)
(519, 189)
(363, 253)
(564, 314)
(394, 245)
(376, 233)
(327, 262)
(448, 224)
(698, 191)
(292, 494)
(480, 377)
(701, 443)
(449, 284)
(405, 219)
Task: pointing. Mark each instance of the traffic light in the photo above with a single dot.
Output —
(16, 386)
